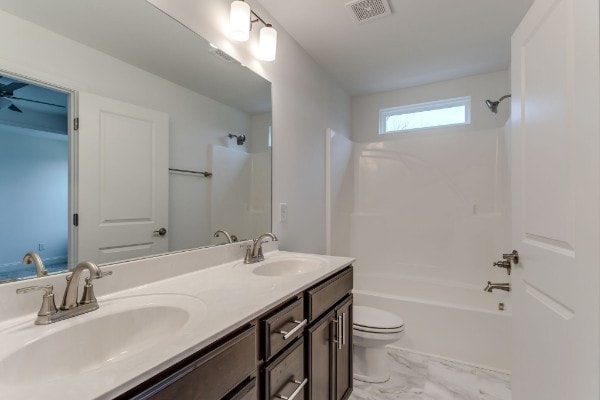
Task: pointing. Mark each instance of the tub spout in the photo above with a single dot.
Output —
(502, 286)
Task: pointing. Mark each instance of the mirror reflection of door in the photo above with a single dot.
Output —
(123, 186)
(34, 174)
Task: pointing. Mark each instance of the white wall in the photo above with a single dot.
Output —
(365, 109)
(431, 203)
(34, 176)
(195, 120)
(306, 101)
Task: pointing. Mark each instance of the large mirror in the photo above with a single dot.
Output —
(132, 57)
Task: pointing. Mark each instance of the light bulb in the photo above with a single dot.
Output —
(239, 21)
(267, 44)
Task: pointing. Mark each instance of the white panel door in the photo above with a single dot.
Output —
(123, 180)
(555, 176)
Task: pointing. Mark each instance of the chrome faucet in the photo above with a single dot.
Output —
(48, 312)
(70, 297)
(33, 257)
(254, 252)
(502, 286)
(227, 235)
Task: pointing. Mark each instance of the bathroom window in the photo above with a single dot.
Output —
(432, 114)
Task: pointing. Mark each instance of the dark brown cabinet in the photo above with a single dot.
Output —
(320, 340)
(301, 350)
(342, 387)
(216, 373)
(329, 339)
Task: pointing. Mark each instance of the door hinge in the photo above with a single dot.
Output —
(76, 219)
(76, 124)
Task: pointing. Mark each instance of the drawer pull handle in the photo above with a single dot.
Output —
(287, 335)
(298, 389)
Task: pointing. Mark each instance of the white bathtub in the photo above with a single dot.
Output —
(455, 322)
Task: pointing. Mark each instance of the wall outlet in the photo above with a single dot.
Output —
(283, 212)
(41, 246)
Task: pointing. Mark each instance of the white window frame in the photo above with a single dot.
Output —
(384, 113)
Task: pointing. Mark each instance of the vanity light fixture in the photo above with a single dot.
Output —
(267, 43)
(241, 19)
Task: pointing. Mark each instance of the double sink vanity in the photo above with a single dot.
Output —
(198, 324)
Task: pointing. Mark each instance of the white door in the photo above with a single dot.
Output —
(555, 160)
(123, 180)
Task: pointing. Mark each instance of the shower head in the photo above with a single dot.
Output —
(240, 139)
(493, 105)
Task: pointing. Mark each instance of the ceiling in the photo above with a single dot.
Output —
(423, 41)
(136, 32)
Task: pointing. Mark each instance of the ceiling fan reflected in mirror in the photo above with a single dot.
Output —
(7, 96)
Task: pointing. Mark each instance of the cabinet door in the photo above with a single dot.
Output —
(321, 357)
(343, 351)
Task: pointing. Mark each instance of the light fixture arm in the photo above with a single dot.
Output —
(241, 20)
(252, 21)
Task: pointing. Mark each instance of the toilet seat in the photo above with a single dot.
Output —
(373, 320)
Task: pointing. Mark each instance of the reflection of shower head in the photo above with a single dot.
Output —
(493, 105)
(240, 139)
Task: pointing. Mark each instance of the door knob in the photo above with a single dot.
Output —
(512, 257)
(161, 232)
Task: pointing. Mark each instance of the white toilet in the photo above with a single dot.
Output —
(372, 330)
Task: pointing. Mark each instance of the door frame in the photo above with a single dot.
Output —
(65, 86)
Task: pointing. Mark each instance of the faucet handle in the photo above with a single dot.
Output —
(48, 307)
(104, 274)
(48, 288)
(88, 295)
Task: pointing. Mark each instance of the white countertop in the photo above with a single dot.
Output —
(230, 294)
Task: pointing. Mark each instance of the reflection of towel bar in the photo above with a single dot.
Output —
(204, 173)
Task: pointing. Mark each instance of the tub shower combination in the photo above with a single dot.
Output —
(459, 322)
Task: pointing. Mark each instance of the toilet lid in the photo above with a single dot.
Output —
(376, 320)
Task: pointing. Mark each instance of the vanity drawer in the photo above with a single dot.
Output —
(281, 328)
(211, 376)
(246, 392)
(285, 376)
(324, 296)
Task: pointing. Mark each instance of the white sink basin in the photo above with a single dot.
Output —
(288, 266)
(119, 329)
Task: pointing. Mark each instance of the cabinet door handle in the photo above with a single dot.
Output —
(287, 335)
(295, 393)
(343, 329)
(339, 339)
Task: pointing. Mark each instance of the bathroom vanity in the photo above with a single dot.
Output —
(214, 328)
(300, 349)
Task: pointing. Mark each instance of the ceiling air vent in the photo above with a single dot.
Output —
(368, 10)
(221, 55)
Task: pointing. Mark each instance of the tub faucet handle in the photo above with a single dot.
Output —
(511, 257)
(503, 264)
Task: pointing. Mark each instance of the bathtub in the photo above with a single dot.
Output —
(456, 322)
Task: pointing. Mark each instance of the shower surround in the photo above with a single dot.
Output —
(426, 215)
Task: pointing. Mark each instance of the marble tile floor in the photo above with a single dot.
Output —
(420, 377)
